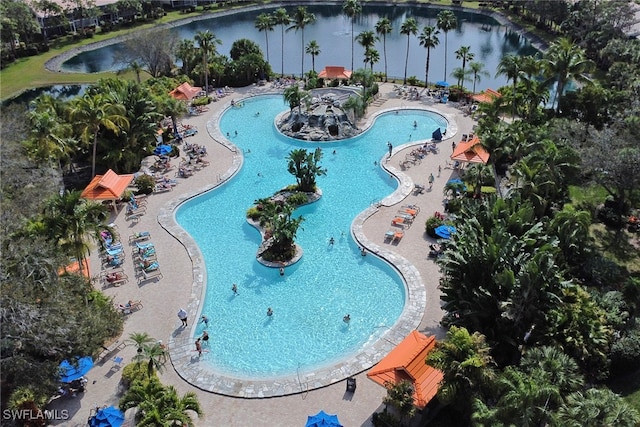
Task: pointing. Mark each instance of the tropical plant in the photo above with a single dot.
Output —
(265, 22)
(477, 69)
(313, 49)
(384, 28)
(511, 66)
(367, 40)
(446, 21)
(352, 8)
(467, 366)
(300, 19)
(91, 113)
(429, 40)
(295, 97)
(408, 28)
(596, 407)
(400, 396)
(280, 17)
(465, 54)
(305, 167)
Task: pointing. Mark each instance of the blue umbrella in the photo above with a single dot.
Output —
(445, 231)
(69, 372)
(322, 419)
(442, 83)
(162, 150)
(107, 417)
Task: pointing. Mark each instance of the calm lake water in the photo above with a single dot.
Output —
(489, 41)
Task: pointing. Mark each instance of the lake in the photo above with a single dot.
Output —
(489, 41)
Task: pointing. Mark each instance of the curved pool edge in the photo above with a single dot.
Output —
(203, 377)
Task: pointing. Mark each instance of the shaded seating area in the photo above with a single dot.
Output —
(469, 150)
(407, 362)
(107, 187)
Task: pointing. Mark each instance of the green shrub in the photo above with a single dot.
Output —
(253, 212)
(145, 184)
(431, 225)
(205, 100)
(297, 199)
(135, 372)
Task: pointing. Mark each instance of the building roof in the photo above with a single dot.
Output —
(185, 92)
(109, 186)
(488, 95)
(332, 72)
(470, 151)
(408, 362)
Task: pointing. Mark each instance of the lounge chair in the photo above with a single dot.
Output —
(400, 221)
(388, 236)
(130, 307)
(144, 276)
(162, 188)
(145, 245)
(397, 236)
(418, 189)
(139, 237)
(115, 279)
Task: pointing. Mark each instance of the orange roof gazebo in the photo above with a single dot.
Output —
(109, 186)
(407, 362)
(333, 72)
(185, 92)
(488, 95)
(471, 152)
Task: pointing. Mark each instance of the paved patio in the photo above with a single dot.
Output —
(184, 277)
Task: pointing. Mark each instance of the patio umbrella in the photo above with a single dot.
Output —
(69, 372)
(442, 83)
(107, 417)
(162, 150)
(445, 231)
(322, 419)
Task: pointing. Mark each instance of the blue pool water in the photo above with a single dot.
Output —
(310, 300)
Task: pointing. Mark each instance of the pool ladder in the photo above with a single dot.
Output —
(304, 388)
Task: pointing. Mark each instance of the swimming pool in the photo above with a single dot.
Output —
(309, 302)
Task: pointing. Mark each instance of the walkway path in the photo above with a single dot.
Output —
(163, 298)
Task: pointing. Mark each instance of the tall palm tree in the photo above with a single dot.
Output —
(446, 21)
(185, 52)
(265, 22)
(408, 28)
(366, 39)
(511, 67)
(429, 40)
(313, 49)
(207, 42)
(50, 133)
(280, 17)
(477, 69)
(465, 54)
(352, 8)
(400, 396)
(90, 113)
(565, 61)
(371, 56)
(459, 75)
(72, 222)
(301, 18)
(383, 27)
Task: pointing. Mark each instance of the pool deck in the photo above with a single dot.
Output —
(184, 277)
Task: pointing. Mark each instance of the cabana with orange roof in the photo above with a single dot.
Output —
(470, 151)
(109, 186)
(407, 362)
(489, 95)
(334, 72)
(185, 92)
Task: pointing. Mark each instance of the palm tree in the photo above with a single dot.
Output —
(465, 361)
(366, 39)
(280, 17)
(511, 67)
(305, 167)
(400, 396)
(596, 407)
(565, 61)
(460, 76)
(72, 221)
(301, 18)
(446, 21)
(552, 365)
(185, 52)
(383, 27)
(90, 113)
(477, 70)
(371, 56)
(265, 22)
(478, 174)
(313, 49)
(429, 40)
(408, 28)
(207, 42)
(294, 97)
(464, 53)
(352, 8)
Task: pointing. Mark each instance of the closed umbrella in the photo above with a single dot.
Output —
(322, 419)
(70, 372)
(107, 417)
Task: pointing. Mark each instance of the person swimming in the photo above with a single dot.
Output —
(346, 318)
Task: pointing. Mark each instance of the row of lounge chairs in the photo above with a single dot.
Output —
(403, 219)
(145, 261)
